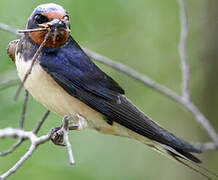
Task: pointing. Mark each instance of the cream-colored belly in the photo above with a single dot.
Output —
(45, 90)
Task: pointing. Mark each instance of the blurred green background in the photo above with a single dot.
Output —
(143, 34)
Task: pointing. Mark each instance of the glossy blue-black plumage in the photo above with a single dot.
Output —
(72, 69)
(74, 65)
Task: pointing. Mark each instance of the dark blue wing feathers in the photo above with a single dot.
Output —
(80, 77)
(75, 66)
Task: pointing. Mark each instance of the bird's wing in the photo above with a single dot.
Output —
(76, 71)
(81, 78)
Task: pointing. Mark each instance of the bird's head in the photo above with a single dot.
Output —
(53, 16)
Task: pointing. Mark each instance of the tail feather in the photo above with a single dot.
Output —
(182, 154)
(189, 156)
(192, 161)
(194, 169)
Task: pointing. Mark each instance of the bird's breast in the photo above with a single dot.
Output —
(46, 91)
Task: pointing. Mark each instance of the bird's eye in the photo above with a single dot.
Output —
(66, 18)
(40, 19)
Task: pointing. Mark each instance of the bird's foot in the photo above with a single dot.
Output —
(57, 134)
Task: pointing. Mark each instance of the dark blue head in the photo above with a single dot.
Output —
(45, 8)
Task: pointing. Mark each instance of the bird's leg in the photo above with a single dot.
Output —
(57, 134)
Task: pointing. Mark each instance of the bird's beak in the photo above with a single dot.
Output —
(59, 29)
(56, 25)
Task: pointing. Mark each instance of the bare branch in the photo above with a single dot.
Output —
(9, 83)
(8, 79)
(36, 130)
(186, 74)
(19, 163)
(161, 89)
(132, 73)
(202, 120)
(31, 30)
(36, 55)
(7, 28)
(13, 148)
(36, 141)
(67, 140)
(207, 146)
(183, 49)
(21, 134)
(23, 114)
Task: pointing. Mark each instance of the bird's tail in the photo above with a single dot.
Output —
(187, 159)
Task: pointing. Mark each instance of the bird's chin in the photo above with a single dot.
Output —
(58, 37)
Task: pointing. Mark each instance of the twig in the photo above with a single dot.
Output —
(35, 141)
(183, 49)
(9, 83)
(207, 146)
(159, 88)
(36, 130)
(19, 163)
(36, 55)
(31, 30)
(23, 115)
(12, 149)
(201, 119)
(66, 138)
(7, 28)
(132, 73)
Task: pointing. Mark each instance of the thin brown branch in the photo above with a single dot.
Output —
(36, 130)
(159, 88)
(23, 114)
(9, 83)
(207, 146)
(31, 30)
(8, 79)
(36, 55)
(9, 29)
(132, 73)
(35, 141)
(201, 119)
(13, 148)
(67, 140)
(183, 49)
(21, 134)
(19, 163)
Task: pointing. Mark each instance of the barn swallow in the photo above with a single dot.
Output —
(67, 82)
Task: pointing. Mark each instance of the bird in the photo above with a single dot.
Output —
(67, 82)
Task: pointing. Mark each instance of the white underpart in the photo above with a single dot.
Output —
(45, 90)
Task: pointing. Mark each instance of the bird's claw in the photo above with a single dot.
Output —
(57, 136)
